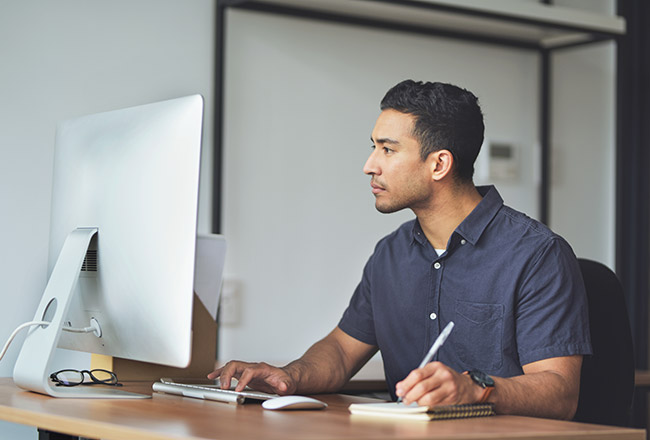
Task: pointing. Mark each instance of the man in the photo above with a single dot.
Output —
(512, 287)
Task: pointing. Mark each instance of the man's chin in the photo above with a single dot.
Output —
(388, 209)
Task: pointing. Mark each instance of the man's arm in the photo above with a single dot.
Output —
(548, 388)
(325, 367)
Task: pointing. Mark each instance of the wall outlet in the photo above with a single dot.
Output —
(230, 313)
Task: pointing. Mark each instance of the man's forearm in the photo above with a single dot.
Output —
(329, 363)
(318, 371)
(547, 394)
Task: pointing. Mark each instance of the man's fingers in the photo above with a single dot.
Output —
(229, 371)
(433, 384)
(422, 388)
(440, 393)
(279, 385)
(244, 379)
(415, 377)
(260, 376)
(216, 373)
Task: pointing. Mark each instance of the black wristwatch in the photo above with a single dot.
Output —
(484, 381)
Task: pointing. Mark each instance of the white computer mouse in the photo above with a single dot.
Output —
(293, 402)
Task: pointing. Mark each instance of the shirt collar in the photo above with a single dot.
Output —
(472, 227)
(418, 234)
(475, 223)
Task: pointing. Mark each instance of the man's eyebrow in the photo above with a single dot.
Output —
(384, 141)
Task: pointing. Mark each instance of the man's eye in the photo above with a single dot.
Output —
(387, 150)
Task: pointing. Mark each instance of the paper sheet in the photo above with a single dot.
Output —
(208, 270)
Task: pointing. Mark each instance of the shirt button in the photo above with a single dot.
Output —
(433, 316)
(437, 265)
(463, 241)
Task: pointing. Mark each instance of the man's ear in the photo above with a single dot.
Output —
(441, 164)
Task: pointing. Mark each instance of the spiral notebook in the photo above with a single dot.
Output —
(415, 412)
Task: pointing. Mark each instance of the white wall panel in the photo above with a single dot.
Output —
(301, 101)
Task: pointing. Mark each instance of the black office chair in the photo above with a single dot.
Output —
(607, 380)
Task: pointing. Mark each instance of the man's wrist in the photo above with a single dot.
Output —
(484, 385)
(294, 371)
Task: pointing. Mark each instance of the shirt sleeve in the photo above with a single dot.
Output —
(358, 320)
(552, 316)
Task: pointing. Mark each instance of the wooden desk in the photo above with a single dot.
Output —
(173, 417)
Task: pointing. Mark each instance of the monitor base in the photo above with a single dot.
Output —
(95, 392)
(32, 370)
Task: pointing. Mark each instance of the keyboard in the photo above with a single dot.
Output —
(208, 390)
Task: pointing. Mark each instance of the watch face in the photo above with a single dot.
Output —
(481, 378)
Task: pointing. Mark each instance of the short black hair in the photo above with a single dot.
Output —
(447, 117)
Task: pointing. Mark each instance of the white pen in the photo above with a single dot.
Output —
(442, 337)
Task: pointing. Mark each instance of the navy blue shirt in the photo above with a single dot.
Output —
(512, 287)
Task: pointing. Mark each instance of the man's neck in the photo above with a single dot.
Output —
(448, 210)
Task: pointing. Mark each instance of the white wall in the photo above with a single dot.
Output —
(301, 101)
(583, 178)
(68, 58)
(583, 188)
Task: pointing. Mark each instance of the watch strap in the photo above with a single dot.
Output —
(486, 393)
(487, 388)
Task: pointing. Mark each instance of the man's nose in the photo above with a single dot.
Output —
(371, 167)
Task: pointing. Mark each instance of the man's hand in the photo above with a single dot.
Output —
(548, 388)
(260, 376)
(325, 367)
(437, 384)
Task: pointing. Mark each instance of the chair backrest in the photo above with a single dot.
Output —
(607, 380)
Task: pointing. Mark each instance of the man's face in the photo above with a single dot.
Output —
(399, 177)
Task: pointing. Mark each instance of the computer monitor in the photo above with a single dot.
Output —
(122, 242)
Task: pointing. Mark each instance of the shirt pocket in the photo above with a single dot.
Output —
(479, 333)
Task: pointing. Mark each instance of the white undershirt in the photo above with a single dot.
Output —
(440, 251)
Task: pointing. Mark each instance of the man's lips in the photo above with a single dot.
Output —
(376, 189)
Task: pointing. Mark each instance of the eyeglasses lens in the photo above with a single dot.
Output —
(103, 376)
(70, 377)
